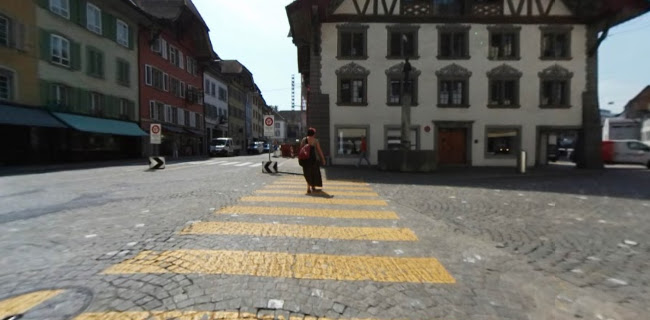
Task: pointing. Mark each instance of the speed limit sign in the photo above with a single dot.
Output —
(269, 126)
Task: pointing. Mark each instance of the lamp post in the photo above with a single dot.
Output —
(406, 107)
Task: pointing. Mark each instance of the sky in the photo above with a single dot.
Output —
(255, 32)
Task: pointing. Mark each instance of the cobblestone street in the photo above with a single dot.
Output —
(213, 240)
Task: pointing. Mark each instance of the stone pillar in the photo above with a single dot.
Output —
(588, 149)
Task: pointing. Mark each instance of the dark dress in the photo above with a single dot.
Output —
(311, 170)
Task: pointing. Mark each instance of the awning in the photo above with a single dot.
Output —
(99, 125)
(195, 132)
(172, 129)
(23, 116)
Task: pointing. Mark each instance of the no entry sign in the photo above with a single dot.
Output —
(269, 126)
(154, 133)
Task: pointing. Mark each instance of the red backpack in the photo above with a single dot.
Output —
(305, 152)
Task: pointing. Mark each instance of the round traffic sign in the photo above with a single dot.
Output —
(268, 121)
(155, 129)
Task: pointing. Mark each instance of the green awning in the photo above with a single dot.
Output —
(99, 125)
(24, 116)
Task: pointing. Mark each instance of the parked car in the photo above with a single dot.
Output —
(223, 147)
(255, 147)
(626, 151)
(267, 147)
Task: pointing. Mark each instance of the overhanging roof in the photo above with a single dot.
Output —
(24, 116)
(100, 125)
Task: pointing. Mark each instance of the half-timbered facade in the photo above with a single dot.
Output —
(489, 77)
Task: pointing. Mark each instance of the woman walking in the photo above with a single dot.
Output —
(311, 168)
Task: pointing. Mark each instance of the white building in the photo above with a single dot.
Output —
(621, 129)
(645, 131)
(489, 77)
(215, 98)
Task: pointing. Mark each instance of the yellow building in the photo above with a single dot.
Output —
(18, 52)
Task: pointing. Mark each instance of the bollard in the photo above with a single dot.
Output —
(521, 162)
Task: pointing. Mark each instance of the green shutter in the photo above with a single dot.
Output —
(45, 45)
(100, 63)
(131, 37)
(108, 26)
(83, 97)
(45, 93)
(75, 55)
(75, 12)
(132, 113)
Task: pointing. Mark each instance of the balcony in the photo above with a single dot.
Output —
(451, 8)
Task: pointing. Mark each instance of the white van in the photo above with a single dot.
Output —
(626, 151)
(223, 147)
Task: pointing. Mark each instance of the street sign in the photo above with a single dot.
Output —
(269, 126)
(154, 133)
(156, 163)
(267, 164)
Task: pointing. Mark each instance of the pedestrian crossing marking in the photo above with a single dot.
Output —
(329, 188)
(228, 163)
(316, 200)
(286, 265)
(301, 231)
(255, 165)
(325, 182)
(25, 302)
(243, 164)
(309, 212)
(190, 315)
(334, 193)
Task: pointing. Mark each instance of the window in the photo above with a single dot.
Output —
(198, 120)
(124, 108)
(213, 89)
(122, 32)
(352, 41)
(402, 41)
(6, 84)
(352, 89)
(156, 78)
(186, 117)
(156, 46)
(393, 138)
(174, 117)
(453, 42)
(348, 140)
(502, 142)
(96, 103)
(397, 85)
(176, 57)
(4, 31)
(123, 73)
(222, 94)
(93, 18)
(60, 50)
(95, 63)
(556, 42)
(59, 95)
(165, 82)
(148, 75)
(60, 7)
(503, 87)
(175, 86)
(206, 87)
(638, 146)
(192, 66)
(504, 42)
(555, 87)
(183, 88)
(453, 86)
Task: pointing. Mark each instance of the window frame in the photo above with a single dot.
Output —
(124, 41)
(98, 55)
(555, 31)
(415, 145)
(501, 30)
(120, 63)
(395, 73)
(351, 72)
(402, 29)
(353, 29)
(454, 72)
(10, 77)
(337, 140)
(555, 73)
(454, 30)
(97, 29)
(519, 141)
(61, 39)
(99, 108)
(57, 90)
(58, 8)
(504, 73)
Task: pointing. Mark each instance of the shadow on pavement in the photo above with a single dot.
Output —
(620, 182)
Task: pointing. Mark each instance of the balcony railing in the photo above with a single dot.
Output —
(450, 8)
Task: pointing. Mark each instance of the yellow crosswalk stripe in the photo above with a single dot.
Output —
(316, 200)
(191, 315)
(309, 212)
(334, 193)
(304, 186)
(325, 183)
(25, 302)
(286, 265)
(301, 231)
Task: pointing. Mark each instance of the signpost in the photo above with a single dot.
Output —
(269, 132)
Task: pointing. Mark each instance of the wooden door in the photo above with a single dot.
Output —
(452, 146)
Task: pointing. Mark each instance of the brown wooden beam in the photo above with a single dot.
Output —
(458, 19)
